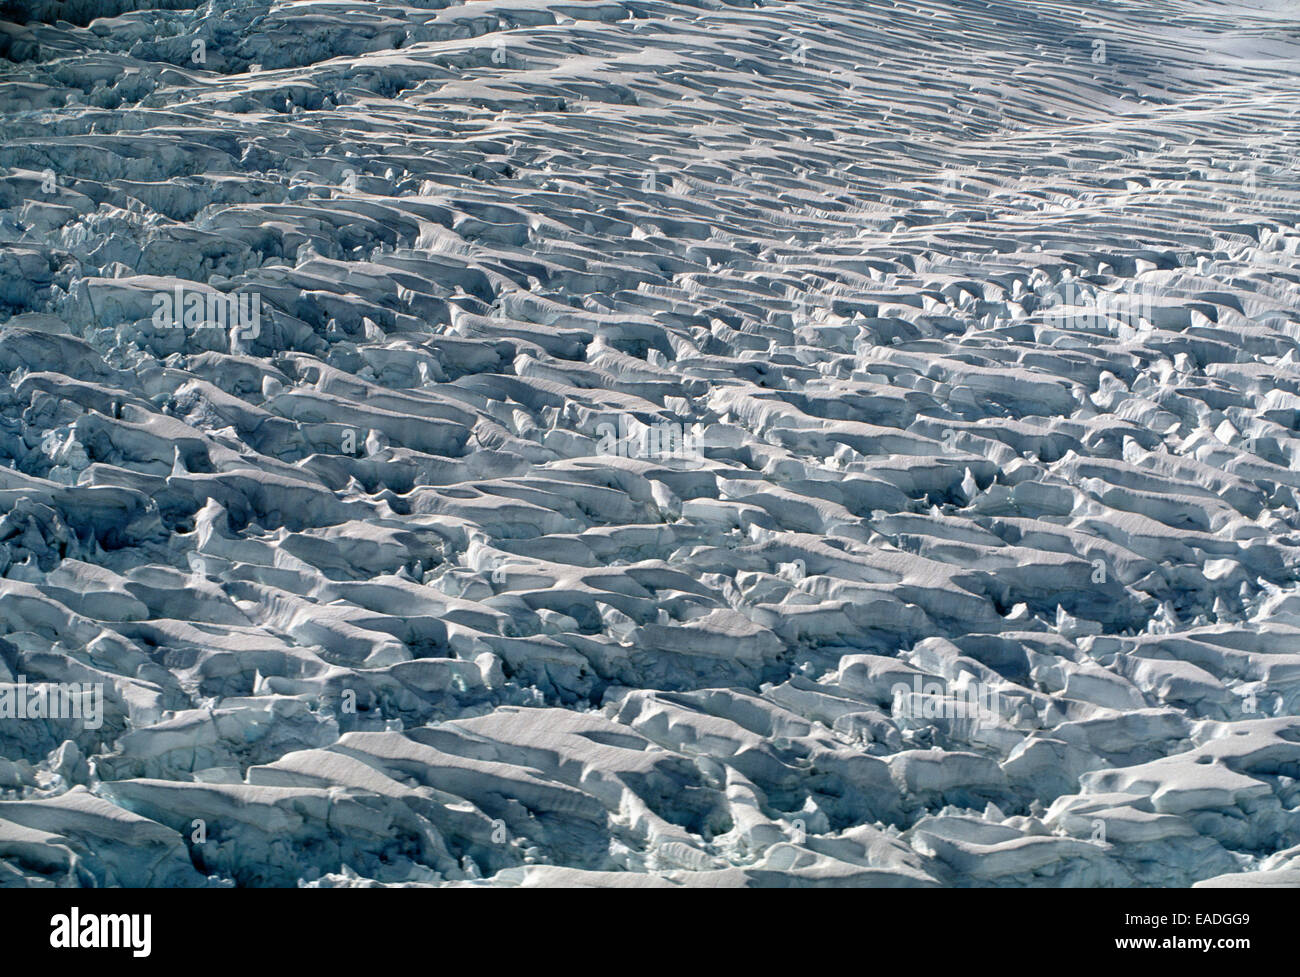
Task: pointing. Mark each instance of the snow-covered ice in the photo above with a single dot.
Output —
(650, 442)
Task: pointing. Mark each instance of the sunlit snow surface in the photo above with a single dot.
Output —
(967, 334)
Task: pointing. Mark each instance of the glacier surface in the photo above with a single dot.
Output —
(650, 442)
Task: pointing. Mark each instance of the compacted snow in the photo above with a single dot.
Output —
(836, 442)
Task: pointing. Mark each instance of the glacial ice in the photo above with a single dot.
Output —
(651, 443)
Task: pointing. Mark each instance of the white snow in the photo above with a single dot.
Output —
(527, 442)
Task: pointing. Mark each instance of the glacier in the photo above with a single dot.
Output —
(650, 443)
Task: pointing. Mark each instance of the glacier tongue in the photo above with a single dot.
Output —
(833, 442)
